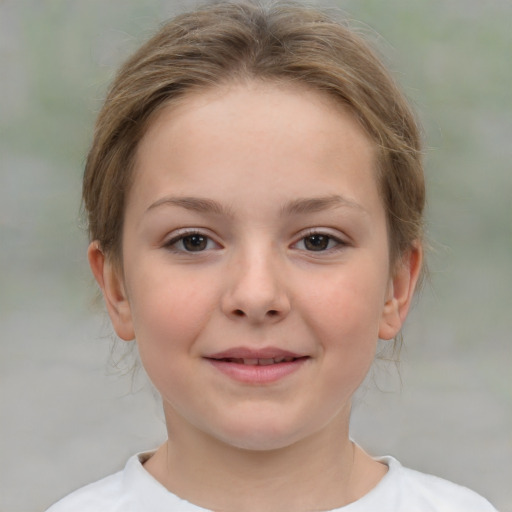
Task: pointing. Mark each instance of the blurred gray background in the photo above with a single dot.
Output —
(69, 416)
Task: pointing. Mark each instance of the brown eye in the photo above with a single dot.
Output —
(191, 241)
(317, 242)
(194, 243)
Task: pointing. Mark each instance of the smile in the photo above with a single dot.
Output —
(257, 367)
(259, 362)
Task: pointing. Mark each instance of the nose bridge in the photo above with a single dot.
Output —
(257, 289)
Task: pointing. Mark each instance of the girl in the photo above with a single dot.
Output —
(255, 197)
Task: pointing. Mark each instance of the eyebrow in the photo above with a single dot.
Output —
(317, 204)
(196, 204)
(294, 207)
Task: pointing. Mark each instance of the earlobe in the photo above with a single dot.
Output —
(400, 293)
(108, 277)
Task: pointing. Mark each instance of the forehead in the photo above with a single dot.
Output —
(286, 105)
(237, 133)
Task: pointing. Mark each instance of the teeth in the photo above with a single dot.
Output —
(263, 361)
(284, 359)
(255, 361)
(252, 362)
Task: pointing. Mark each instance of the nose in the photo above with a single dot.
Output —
(256, 290)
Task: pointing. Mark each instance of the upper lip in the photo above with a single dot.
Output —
(251, 353)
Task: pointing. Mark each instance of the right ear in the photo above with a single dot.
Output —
(111, 282)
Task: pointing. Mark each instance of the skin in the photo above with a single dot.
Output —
(265, 171)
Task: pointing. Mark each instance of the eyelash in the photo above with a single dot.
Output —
(339, 243)
(188, 234)
(322, 236)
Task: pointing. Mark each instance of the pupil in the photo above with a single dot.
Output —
(195, 242)
(316, 242)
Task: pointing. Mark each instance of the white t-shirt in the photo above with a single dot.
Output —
(401, 490)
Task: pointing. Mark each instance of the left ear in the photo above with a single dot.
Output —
(400, 292)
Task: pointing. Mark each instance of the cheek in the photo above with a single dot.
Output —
(170, 310)
(343, 313)
(350, 302)
(168, 318)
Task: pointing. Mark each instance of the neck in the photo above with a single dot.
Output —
(322, 472)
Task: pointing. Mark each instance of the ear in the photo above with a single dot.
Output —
(400, 292)
(111, 282)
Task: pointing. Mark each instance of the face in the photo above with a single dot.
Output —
(256, 273)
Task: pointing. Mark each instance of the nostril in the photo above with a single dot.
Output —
(272, 312)
(238, 312)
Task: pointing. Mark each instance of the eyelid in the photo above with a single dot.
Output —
(341, 240)
(182, 233)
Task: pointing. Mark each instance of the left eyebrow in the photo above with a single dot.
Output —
(317, 204)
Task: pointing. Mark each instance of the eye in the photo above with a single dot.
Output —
(319, 242)
(191, 242)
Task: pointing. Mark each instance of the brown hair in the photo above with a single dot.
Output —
(226, 41)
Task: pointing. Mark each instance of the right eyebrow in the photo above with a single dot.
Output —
(317, 204)
(196, 204)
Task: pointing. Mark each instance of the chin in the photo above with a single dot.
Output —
(255, 443)
(261, 436)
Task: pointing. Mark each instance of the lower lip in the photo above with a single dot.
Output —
(258, 374)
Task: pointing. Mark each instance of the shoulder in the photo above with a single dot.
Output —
(130, 490)
(418, 491)
(104, 495)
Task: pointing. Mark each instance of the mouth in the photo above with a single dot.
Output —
(251, 361)
(263, 366)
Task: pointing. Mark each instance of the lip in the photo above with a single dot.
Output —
(251, 353)
(257, 367)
